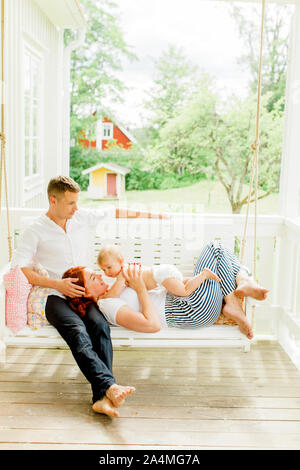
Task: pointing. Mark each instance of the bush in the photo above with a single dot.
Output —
(80, 159)
(139, 178)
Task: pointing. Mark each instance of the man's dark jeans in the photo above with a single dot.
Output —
(89, 340)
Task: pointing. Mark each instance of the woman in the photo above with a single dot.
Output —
(135, 308)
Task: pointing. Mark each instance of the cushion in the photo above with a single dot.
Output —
(36, 303)
(222, 320)
(17, 291)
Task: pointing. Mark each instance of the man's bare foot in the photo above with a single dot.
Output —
(233, 310)
(117, 393)
(249, 288)
(105, 406)
(208, 274)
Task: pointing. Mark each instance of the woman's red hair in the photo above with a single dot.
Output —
(78, 304)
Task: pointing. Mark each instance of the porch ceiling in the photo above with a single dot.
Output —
(63, 13)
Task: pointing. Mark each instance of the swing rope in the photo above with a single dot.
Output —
(254, 167)
(3, 172)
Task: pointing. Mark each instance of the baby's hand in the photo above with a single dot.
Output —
(133, 276)
(208, 274)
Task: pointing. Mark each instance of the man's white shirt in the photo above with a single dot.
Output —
(46, 243)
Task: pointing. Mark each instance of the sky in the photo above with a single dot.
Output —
(205, 31)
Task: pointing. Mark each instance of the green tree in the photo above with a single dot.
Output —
(231, 141)
(275, 46)
(182, 146)
(95, 65)
(213, 138)
(174, 82)
(80, 159)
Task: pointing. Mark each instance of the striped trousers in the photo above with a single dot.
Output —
(204, 305)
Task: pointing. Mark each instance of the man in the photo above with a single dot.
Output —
(58, 240)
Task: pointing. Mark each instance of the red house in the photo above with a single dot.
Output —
(107, 130)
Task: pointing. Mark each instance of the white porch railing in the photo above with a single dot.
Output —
(179, 240)
(287, 290)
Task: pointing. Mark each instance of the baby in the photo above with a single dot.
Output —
(111, 261)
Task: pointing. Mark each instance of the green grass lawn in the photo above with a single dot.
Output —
(202, 197)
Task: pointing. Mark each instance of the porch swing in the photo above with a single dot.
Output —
(152, 250)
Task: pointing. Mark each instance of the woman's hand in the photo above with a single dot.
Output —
(68, 287)
(133, 277)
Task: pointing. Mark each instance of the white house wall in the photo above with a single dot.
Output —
(25, 22)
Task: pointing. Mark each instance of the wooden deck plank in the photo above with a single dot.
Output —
(138, 376)
(245, 390)
(131, 424)
(150, 356)
(157, 400)
(209, 362)
(142, 373)
(145, 437)
(100, 448)
(223, 399)
(261, 353)
(207, 367)
(157, 412)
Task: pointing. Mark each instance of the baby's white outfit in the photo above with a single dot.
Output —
(163, 271)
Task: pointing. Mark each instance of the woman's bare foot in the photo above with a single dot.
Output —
(208, 274)
(249, 288)
(233, 310)
(105, 406)
(117, 394)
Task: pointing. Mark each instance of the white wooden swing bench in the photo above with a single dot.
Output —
(177, 240)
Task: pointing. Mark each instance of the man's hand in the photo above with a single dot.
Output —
(68, 287)
(133, 214)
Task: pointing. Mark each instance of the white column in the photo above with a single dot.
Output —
(99, 133)
(290, 167)
(13, 100)
(65, 165)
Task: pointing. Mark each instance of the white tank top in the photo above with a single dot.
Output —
(109, 307)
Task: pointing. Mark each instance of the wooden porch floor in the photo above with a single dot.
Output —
(184, 399)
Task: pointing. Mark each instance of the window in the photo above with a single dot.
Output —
(107, 130)
(32, 114)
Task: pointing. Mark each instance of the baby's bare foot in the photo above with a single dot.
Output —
(105, 406)
(117, 394)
